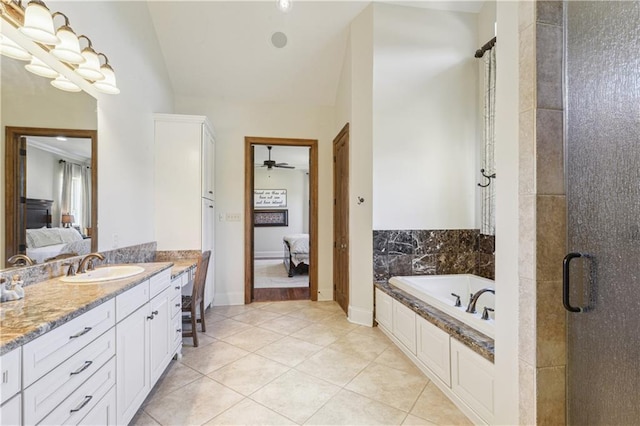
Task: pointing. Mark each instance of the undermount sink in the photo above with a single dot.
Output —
(105, 273)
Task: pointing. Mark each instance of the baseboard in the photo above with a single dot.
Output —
(268, 255)
(360, 316)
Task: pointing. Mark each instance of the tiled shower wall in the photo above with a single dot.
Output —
(432, 252)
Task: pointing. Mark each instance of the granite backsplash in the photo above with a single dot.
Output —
(432, 252)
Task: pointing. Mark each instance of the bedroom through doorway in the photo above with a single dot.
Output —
(281, 219)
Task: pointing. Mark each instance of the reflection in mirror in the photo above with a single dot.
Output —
(32, 107)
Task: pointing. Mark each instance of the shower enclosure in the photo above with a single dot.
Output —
(602, 154)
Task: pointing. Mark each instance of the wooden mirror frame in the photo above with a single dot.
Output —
(16, 182)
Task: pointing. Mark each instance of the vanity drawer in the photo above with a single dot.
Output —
(176, 305)
(45, 394)
(176, 284)
(11, 373)
(80, 403)
(49, 350)
(129, 301)
(11, 411)
(177, 330)
(159, 282)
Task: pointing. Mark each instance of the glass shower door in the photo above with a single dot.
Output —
(603, 195)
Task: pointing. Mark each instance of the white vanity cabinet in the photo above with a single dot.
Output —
(10, 387)
(384, 310)
(184, 198)
(404, 325)
(433, 349)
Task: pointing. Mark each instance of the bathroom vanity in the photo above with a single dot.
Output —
(89, 353)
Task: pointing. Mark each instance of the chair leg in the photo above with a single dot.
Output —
(193, 327)
(204, 328)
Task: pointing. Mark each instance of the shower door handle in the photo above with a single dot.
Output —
(565, 282)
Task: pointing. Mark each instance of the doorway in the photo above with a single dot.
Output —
(603, 199)
(341, 218)
(282, 258)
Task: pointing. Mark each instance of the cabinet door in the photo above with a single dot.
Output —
(404, 325)
(384, 310)
(11, 411)
(208, 221)
(132, 356)
(160, 334)
(207, 163)
(433, 349)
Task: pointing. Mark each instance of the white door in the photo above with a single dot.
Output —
(160, 338)
(208, 220)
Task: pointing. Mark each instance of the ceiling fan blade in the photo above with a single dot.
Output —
(284, 166)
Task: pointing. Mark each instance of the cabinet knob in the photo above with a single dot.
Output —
(177, 305)
(179, 330)
(210, 192)
(150, 317)
(177, 287)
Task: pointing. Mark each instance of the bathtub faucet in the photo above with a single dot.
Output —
(474, 299)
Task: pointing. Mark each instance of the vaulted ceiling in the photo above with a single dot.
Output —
(224, 49)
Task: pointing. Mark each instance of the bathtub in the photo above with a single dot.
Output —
(436, 290)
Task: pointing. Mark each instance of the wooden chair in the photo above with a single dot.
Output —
(191, 303)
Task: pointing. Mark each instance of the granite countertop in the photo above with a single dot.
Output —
(182, 265)
(49, 304)
(478, 342)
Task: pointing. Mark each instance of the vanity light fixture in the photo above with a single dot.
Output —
(38, 23)
(69, 48)
(108, 85)
(11, 49)
(90, 68)
(63, 83)
(38, 67)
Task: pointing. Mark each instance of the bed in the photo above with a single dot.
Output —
(296, 253)
(44, 243)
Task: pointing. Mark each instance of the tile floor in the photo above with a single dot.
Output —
(297, 362)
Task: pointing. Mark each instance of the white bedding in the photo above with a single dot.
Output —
(40, 254)
(298, 247)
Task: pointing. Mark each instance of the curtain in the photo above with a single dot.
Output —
(66, 186)
(75, 193)
(488, 220)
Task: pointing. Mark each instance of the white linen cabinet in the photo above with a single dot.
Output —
(184, 187)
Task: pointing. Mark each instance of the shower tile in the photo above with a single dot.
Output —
(549, 66)
(550, 325)
(527, 388)
(527, 69)
(527, 153)
(526, 14)
(550, 396)
(549, 12)
(551, 231)
(380, 242)
(424, 265)
(400, 264)
(549, 152)
(527, 320)
(527, 236)
(400, 242)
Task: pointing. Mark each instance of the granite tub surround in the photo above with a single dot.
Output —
(141, 253)
(432, 252)
(51, 303)
(476, 341)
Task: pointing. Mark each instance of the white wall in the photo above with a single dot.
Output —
(425, 123)
(42, 167)
(124, 32)
(507, 158)
(232, 122)
(268, 239)
(360, 169)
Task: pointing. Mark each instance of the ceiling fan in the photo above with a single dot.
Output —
(269, 164)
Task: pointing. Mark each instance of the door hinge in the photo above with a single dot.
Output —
(23, 152)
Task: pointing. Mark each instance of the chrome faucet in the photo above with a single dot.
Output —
(87, 262)
(474, 299)
(20, 260)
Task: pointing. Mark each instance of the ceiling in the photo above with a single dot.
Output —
(297, 156)
(223, 49)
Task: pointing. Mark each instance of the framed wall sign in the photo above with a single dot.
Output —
(269, 198)
(278, 217)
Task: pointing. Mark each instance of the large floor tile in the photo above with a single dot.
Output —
(289, 351)
(194, 404)
(209, 358)
(256, 316)
(231, 310)
(249, 374)
(252, 339)
(434, 406)
(348, 408)
(412, 420)
(333, 366)
(175, 376)
(248, 412)
(394, 357)
(143, 419)
(226, 328)
(295, 395)
(311, 314)
(367, 347)
(285, 324)
(388, 385)
(319, 334)
(339, 321)
(282, 308)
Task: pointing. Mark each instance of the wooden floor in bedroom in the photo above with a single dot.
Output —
(280, 294)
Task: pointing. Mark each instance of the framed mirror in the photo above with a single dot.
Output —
(51, 192)
(32, 108)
